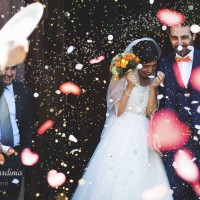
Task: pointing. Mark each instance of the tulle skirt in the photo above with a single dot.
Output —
(122, 166)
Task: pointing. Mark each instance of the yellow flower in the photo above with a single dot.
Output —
(123, 61)
(116, 77)
(123, 65)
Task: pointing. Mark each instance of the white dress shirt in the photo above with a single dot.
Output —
(185, 68)
(10, 99)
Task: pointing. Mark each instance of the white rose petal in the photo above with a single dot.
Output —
(195, 138)
(15, 181)
(194, 102)
(72, 138)
(180, 48)
(197, 127)
(189, 48)
(151, 1)
(58, 92)
(160, 96)
(70, 49)
(195, 28)
(139, 66)
(198, 109)
(79, 66)
(186, 108)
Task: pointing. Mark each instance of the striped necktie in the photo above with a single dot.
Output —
(5, 123)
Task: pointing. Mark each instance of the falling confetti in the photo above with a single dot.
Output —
(160, 96)
(97, 60)
(55, 179)
(70, 49)
(185, 167)
(28, 157)
(195, 28)
(45, 126)
(36, 95)
(79, 66)
(179, 48)
(72, 138)
(171, 132)
(70, 88)
(170, 17)
(15, 181)
(110, 37)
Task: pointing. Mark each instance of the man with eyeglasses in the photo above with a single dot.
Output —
(15, 131)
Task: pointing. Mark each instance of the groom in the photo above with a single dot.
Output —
(177, 68)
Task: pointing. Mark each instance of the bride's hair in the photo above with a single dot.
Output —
(145, 48)
(146, 51)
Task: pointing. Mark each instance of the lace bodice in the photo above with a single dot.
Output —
(138, 100)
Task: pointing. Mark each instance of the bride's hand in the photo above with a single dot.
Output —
(159, 79)
(131, 78)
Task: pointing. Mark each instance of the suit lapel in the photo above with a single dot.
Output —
(170, 91)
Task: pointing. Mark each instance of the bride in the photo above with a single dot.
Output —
(123, 167)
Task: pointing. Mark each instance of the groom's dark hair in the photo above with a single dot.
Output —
(146, 51)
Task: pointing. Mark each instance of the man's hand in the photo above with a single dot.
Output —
(154, 144)
(2, 159)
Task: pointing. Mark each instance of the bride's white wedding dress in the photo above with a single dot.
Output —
(123, 166)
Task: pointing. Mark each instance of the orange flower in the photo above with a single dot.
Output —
(116, 77)
(117, 64)
(123, 65)
(137, 59)
(129, 56)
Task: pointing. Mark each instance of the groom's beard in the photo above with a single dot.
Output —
(185, 51)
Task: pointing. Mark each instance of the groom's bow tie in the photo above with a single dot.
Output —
(180, 59)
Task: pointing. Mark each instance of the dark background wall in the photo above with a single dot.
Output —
(84, 24)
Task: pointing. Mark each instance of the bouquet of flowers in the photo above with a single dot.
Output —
(123, 63)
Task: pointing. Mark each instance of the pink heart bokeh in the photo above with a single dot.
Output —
(55, 179)
(28, 157)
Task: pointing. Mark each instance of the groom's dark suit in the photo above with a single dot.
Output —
(23, 97)
(177, 100)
